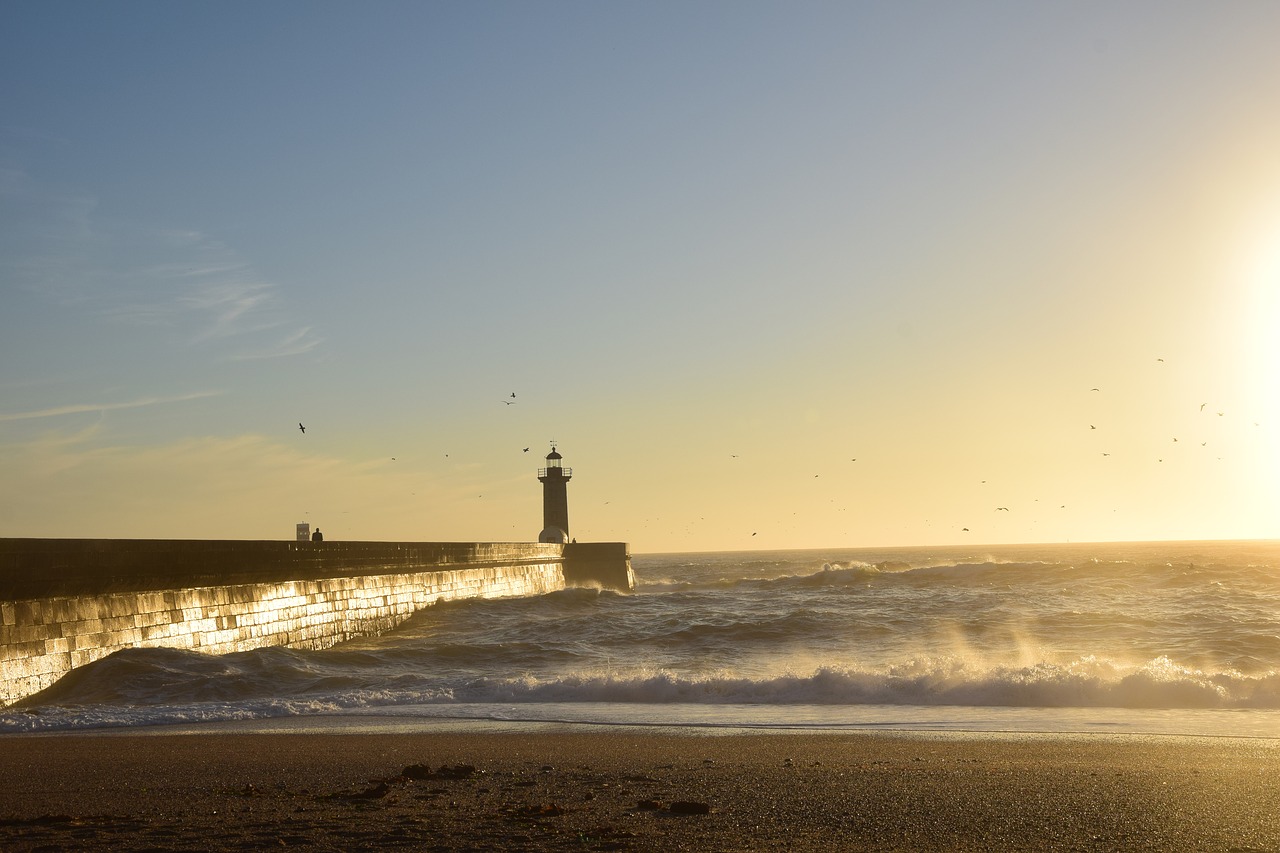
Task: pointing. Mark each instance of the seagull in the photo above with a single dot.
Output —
(1094, 389)
(1005, 508)
(965, 529)
(301, 427)
(509, 402)
(1091, 426)
(1159, 359)
(1106, 454)
(513, 395)
(526, 450)
(1202, 405)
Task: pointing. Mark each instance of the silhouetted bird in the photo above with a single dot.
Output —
(301, 427)
(526, 450)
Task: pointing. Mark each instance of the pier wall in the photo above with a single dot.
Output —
(68, 602)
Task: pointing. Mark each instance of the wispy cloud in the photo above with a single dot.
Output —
(200, 289)
(297, 343)
(82, 408)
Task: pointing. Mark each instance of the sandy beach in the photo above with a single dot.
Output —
(633, 790)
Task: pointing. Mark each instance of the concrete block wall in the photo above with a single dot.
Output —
(603, 564)
(41, 639)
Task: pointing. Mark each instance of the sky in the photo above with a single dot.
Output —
(770, 275)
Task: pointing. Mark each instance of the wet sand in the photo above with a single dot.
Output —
(632, 790)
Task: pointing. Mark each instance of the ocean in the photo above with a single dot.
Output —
(1134, 638)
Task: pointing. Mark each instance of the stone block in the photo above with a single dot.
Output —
(11, 669)
(28, 613)
(118, 623)
(24, 634)
(125, 638)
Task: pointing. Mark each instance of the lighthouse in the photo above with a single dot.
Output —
(555, 499)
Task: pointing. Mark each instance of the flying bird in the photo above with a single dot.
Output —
(1202, 405)
(301, 427)
(526, 450)
(1091, 426)
(1005, 508)
(1094, 389)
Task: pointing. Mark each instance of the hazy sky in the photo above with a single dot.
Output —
(771, 274)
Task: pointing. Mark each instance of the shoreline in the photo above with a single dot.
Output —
(674, 718)
(622, 789)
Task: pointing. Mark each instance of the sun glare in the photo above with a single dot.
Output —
(1261, 349)
(1264, 315)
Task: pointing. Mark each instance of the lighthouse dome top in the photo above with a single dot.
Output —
(553, 535)
(554, 454)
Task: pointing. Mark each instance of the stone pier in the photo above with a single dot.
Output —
(68, 602)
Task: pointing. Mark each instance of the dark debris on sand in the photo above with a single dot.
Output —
(448, 808)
